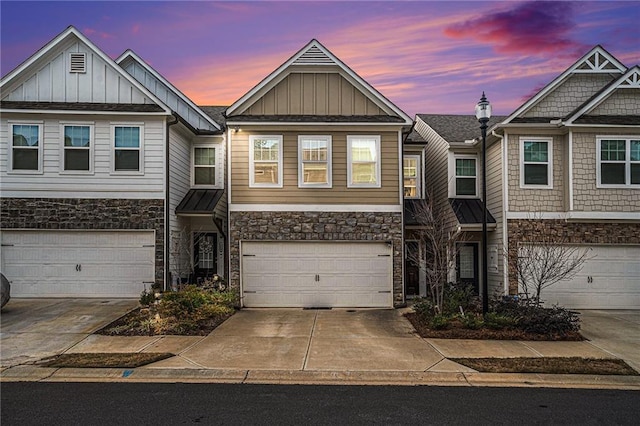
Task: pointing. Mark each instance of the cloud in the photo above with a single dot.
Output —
(531, 28)
(93, 33)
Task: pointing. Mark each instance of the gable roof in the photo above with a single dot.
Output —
(68, 34)
(629, 80)
(457, 128)
(315, 54)
(129, 56)
(596, 61)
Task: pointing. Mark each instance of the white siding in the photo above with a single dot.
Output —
(102, 183)
(51, 81)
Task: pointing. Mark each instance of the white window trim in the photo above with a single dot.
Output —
(301, 182)
(454, 176)
(252, 183)
(140, 170)
(418, 159)
(40, 125)
(218, 165)
(91, 148)
(549, 162)
(627, 162)
(350, 184)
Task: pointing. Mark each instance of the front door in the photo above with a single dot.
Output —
(205, 255)
(467, 265)
(411, 269)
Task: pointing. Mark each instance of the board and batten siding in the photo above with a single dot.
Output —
(388, 194)
(52, 82)
(53, 182)
(314, 94)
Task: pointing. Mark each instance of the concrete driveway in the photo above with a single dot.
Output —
(31, 329)
(317, 340)
(616, 332)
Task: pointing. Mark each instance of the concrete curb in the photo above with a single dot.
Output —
(31, 373)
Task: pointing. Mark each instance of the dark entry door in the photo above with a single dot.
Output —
(467, 265)
(205, 255)
(411, 269)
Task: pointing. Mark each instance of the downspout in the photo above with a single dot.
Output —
(505, 207)
(167, 209)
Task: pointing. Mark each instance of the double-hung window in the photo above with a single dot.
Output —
(265, 161)
(536, 164)
(77, 145)
(204, 166)
(411, 176)
(314, 161)
(466, 180)
(618, 161)
(26, 148)
(127, 154)
(363, 162)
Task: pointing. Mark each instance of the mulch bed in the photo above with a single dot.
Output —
(131, 324)
(549, 365)
(456, 331)
(103, 360)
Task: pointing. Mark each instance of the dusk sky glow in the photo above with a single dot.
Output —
(425, 56)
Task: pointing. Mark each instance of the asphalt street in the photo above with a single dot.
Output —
(173, 404)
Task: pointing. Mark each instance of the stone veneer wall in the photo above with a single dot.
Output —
(89, 214)
(317, 226)
(526, 230)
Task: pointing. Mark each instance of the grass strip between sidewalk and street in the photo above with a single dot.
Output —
(549, 365)
(103, 360)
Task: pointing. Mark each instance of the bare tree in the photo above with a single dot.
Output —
(182, 252)
(438, 238)
(545, 262)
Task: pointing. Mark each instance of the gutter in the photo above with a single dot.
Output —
(167, 209)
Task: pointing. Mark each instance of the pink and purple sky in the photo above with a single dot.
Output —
(425, 56)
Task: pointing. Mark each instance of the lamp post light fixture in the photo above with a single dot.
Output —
(483, 114)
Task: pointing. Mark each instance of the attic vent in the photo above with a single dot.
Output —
(314, 56)
(77, 62)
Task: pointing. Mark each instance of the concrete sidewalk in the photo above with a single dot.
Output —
(321, 347)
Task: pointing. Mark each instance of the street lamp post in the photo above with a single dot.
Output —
(483, 114)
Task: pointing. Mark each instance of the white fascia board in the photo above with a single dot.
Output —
(279, 73)
(393, 208)
(82, 112)
(72, 31)
(602, 96)
(131, 54)
(576, 216)
(231, 123)
(554, 83)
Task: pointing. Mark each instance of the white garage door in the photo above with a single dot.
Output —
(78, 263)
(610, 279)
(316, 274)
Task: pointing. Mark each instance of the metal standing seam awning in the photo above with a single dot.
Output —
(468, 211)
(199, 202)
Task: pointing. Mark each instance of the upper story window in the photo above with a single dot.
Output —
(203, 171)
(466, 177)
(536, 165)
(411, 175)
(314, 161)
(127, 153)
(363, 162)
(77, 148)
(618, 161)
(26, 148)
(265, 161)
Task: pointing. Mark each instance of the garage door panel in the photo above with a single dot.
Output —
(610, 279)
(316, 274)
(78, 263)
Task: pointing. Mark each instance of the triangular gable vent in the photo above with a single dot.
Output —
(631, 82)
(597, 62)
(78, 62)
(314, 56)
